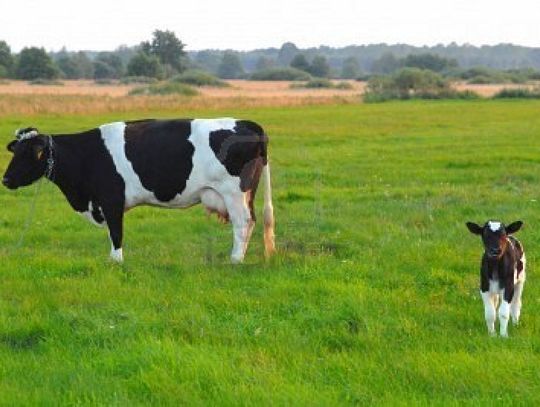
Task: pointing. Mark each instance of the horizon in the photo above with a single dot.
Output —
(187, 49)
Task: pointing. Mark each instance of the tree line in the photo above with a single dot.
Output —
(164, 56)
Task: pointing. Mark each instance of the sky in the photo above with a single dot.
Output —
(250, 24)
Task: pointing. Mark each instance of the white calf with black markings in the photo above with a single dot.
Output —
(502, 273)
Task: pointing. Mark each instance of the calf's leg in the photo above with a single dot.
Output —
(489, 312)
(515, 307)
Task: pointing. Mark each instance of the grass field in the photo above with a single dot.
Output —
(372, 299)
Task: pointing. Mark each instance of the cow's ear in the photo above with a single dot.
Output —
(11, 146)
(474, 228)
(38, 151)
(514, 227)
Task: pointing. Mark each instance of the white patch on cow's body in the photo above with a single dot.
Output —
(494, 226)
(113, 137)
(88, 215)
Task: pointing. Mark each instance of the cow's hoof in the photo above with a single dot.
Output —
(117, 256)
(236, 260)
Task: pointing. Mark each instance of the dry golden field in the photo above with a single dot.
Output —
(18, 97)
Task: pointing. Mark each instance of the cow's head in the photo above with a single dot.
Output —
(494, 236)
(29, 160)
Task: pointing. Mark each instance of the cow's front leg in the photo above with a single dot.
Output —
(489, 312)
(504, 310)
(114, 217)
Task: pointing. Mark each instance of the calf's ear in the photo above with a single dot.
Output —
(11, 146)
(514, 227)
(474, 228)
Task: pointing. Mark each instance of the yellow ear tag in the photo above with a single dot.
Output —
(39, 154)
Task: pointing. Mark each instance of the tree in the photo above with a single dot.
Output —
(209, 60)
(264, 63)
(432, 62)
(168, 48)
(300, 62)
(143, 64)
(113, 61)
(386, 64)
(84, 65)
(319, 67)
(34, 63)
(6, 59)
(103, 70)
(230, 66)
(286, 53)
(74, 65)
(350, 68)
(68, 67)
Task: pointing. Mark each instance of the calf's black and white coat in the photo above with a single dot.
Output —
(502, 273)
(108, 170)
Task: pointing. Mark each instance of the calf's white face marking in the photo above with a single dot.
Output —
(494, 226)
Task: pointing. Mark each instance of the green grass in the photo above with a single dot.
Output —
(372, 299)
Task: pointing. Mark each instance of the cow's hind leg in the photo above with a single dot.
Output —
(240, 217)
(515, 307)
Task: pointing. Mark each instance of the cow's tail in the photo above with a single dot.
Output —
(268, 214)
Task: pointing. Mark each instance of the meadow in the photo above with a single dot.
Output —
(372, 297)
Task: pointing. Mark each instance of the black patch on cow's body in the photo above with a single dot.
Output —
(243, 152)
(85, 172)
(161, 155)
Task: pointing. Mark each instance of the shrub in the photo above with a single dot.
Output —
(128, 80)
(343, 85)
(164, 88)
(320, 83)
(483, 75)
(518, 93)
(104, 81)
(317, 83)
(44, 81)
(281, 74)
(199, 78)
(412, 83)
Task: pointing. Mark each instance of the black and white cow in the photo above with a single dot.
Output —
(502, 272)
(105, 171)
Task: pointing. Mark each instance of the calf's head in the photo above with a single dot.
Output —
(494, 236)
(29, 160)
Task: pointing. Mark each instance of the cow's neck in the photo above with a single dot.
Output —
(67, 171)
